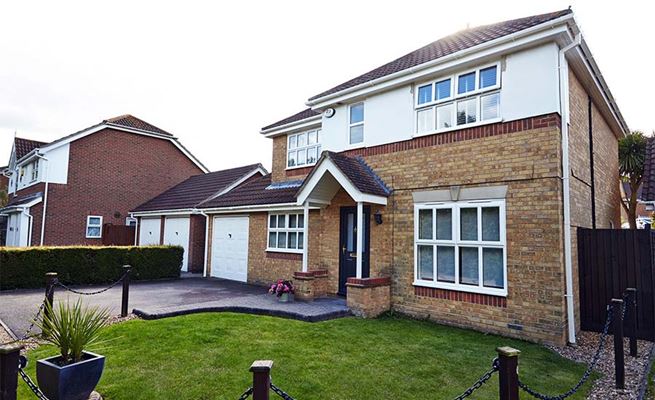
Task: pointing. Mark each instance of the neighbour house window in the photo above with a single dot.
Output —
(356, 132)
(35, 171)
(303, 148)
(461, 246)
(459, 100)
(93, 226)
(285, 232)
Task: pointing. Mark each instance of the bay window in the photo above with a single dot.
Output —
(285, 232)
(459, 100)
(461, 246)
(303, 148)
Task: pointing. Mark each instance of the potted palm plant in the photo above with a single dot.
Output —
(74, 372)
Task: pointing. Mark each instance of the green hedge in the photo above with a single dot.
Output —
(86, 265)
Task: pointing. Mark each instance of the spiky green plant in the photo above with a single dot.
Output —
(72, 328)
(632, 157)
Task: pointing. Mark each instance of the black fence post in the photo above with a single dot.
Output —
(126, 290)
(508, 373)
(632, 319)
(261, 379)
(50, 279)
(9, 371)
(617, 329)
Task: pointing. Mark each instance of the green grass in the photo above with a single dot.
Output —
(207, 356)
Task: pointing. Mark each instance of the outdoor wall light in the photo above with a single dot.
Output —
(378, 217)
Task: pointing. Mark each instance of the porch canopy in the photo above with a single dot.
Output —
(332, 172)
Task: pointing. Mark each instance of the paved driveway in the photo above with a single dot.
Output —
(164, 298)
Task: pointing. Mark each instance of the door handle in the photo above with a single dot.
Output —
(343, 249)
(353, 255)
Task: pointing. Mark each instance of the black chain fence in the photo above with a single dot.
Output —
(478, 384)
(590, 367)
(91, 293)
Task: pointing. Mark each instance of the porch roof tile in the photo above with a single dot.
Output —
(254, 192)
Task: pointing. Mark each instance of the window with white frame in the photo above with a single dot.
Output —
(285, 232)
(94, 226)
(458, 100)
(461, 246)
(35, 171)
(303, 148)
(356, 124)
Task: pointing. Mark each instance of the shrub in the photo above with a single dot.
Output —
(86, 265)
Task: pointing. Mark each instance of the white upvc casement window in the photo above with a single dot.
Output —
(304, 148)
(285, 232)
(460, 100)
(35, 171)
(461, 246)
(356, 124)
(94, 227)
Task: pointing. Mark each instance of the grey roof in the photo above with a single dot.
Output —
(257, 191)
(304, 114)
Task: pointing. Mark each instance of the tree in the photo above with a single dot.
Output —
(632, 157)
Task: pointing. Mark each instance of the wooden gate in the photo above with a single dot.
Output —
(611, 260)
(118, 235)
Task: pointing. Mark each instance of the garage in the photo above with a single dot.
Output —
(176, 233)
(229, 258)
(149, 231)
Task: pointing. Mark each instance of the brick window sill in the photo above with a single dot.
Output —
(466, 297)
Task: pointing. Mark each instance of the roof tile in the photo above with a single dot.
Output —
(24, 146)
(304, 114)
(254, 192)
(196, 189)
(130, 121)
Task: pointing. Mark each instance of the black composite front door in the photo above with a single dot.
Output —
(348, 245)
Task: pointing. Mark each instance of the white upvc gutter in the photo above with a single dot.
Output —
(45, 197)
(136, 229)
(197, 211)
(566, 171)
(29, 231)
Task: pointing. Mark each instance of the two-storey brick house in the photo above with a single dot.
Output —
(89, 178)
(446, 184)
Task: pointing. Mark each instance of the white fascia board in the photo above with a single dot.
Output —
(255, 208)
(105, 125)
(293, 126)
(541, 32)
(23, 206)
(159, 213)
(328, 166)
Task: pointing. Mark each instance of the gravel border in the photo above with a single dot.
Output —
(635, 367)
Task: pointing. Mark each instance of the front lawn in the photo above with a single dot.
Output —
(207, 356)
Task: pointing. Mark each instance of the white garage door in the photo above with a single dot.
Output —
(149, 231)
(230, 248)
(176, 232)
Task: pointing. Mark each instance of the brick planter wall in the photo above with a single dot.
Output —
(310, 285)
(369, 297)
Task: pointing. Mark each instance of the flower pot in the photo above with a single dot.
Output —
(69, 382)
(285, 298)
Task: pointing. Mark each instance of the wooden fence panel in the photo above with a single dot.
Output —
(118, 235)
(610, 261)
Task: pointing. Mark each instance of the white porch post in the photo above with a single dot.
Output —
(360, 237)
(305, 236)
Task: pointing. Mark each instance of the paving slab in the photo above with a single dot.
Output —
(158, 299)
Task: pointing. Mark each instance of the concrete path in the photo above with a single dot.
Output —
(161, 299)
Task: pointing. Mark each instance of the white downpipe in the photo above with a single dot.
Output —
(360, 237)
(566, 171)
(45, 197)
(305, 237)
(207, 219)
(136, 230)
(29, 227)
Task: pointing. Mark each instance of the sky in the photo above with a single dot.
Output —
(213, 73)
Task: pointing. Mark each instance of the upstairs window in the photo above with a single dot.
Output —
(356, 133)
(35, 171)
(463, 99)
(285, 232)
(303, 148)
(94, 227)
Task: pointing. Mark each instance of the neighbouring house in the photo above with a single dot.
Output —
(447, 184)
(64, 192)
(644, 209)
(173, 217)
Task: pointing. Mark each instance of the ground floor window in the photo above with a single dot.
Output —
(461, 246)
(285, 232)
(94, 226)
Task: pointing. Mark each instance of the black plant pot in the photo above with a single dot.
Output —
(70, 382)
